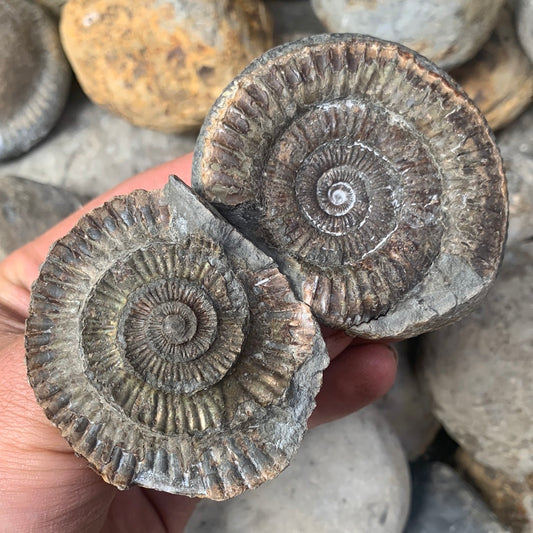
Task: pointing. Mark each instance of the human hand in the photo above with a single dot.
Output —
(44, 486)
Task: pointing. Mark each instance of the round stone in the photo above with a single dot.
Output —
(449, 33)
(444, 503)
(515, 143)
(29, 208)
(113, 150)
(511, 501)
(349, 476)
(407, 405)
(479, 371)
(524, 21)
(162, 64)
(34, 73)
(500, 77)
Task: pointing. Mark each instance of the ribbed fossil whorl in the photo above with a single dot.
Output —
(369, 176)
(34, 76)
(170, 352)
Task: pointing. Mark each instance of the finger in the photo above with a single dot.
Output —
(355, 378)
(328, 333)
(22, 267)
(139, 509)
(336, 341)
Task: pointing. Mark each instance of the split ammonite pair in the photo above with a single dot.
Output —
(176, 352)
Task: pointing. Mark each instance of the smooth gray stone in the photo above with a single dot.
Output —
(447, 32)
(293, 20)
(443, 502)
(524, 22)
(479, 372)
(29, 208)
(516, 146)
(407, 406)
(349, 476)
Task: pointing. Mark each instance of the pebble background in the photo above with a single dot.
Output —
(351, 475)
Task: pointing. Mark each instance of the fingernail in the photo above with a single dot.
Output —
(394, 352)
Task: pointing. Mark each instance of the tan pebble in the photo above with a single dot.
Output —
(510, 500)
(162, 64)
(500, 77)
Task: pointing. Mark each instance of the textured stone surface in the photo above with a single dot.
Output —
(29, 208)
(480, 371)
(524, 20)
(449, 33)
(442, 502)
(511, 501)
(407, 406)
(34, 76)
(349, 476)
(516, 145)
(293, 20)
(91, 150)
(500, 77)
(162, 63)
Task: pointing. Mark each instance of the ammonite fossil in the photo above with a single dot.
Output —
(34, 76)
(369, 176)
(169, 350)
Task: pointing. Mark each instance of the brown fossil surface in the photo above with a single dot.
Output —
(368, 174)
(170, 352)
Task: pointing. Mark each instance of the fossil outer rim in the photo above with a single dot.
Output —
(215, 442)
(38, 114)
(234, 157)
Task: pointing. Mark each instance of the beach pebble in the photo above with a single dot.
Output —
(293, 20)
(34, 76)
(161, 64)
(449, 33)
(479, 371)
(500, 77)
(510, 500)
(407, 405)
(28, 208)
(444, 503)
(524, 21)
(516, 145)
(91, 150)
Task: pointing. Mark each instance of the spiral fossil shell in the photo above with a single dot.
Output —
(369, 176)
(34, 73)
(169, 351)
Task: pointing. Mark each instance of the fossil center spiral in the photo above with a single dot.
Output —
(171, 316)
(177, 317)
(179, 327)
(335, 194)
